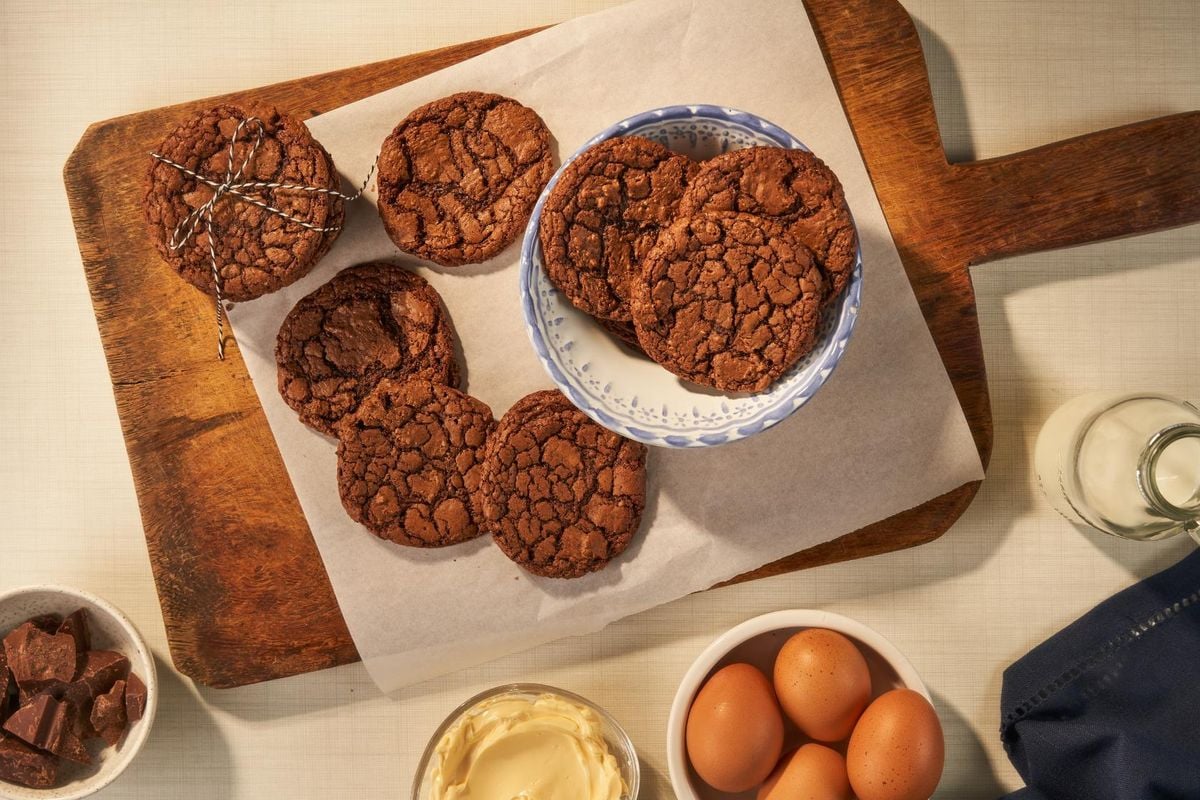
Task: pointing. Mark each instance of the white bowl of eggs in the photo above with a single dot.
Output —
(803, 700)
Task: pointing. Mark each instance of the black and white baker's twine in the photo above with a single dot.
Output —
(233, 185)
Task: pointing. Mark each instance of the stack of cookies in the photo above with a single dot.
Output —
(718, 271)
(370, 357)
(266, 156)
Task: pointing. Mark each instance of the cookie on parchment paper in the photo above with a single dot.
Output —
(562, 496)
(257, 252)
(410, 462)
(369, 322)
(458, 178)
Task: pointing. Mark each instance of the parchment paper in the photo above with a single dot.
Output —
(884, 434)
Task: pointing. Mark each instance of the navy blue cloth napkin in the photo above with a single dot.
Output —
(1109, 707)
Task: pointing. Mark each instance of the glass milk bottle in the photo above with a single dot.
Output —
(1126, 464)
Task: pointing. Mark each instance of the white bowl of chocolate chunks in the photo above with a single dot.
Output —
(78, 693)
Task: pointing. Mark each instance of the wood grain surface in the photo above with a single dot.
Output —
(243, 591)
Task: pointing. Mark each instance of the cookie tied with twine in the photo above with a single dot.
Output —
(242, 203)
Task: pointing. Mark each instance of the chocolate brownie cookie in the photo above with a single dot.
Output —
(370, 322)
(562, 496)
(257, 251)
(459, 177)
(409, 463)
(602, 218)
(727, 300)
(793, 187)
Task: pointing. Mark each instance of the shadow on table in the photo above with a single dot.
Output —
(185, 757)
(950, 105)
(949, 102)
(296, 695)
(969, 775)
(655, 785)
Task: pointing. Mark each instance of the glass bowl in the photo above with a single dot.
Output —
(615, 737)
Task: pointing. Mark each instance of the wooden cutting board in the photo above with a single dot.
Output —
(243, 591)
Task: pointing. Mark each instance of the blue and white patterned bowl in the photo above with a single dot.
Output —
(629, 393)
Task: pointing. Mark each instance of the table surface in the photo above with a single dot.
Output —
(1006, 74)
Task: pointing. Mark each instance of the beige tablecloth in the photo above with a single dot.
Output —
(1006, 76)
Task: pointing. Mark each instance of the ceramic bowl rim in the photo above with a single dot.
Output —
(718, 648)
(137, 735)
(787, 403)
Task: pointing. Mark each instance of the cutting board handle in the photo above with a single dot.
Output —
(1119, 182)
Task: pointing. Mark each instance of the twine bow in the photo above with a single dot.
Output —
(233, 185)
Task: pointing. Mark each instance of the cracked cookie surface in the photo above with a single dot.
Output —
(370, 322)
(459, 177)
(727, 300)
(257, 252)
(410, 461)
(562, 495)
(789, 186)
(603, 216)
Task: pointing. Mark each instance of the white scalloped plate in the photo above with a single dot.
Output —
(625, 391)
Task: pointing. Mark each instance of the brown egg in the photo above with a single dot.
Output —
(897, 751)
(734, 729)
(810, 772)
(823, 683)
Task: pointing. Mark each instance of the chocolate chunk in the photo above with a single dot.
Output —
(47, 623)
(49, 725)
(109, 717)
(5, 680)
(37, 658)
(76, 626)
(77, 694)
(71, 746)
(24, 766)
(100, 669)
(135, 698)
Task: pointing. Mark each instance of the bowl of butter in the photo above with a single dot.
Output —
(527, 740)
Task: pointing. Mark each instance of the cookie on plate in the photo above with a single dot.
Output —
(562, 495)
(727, 300)
(410, 460)
(257, 251)
(370, 322)
(789, 186)
(459, 177)
(603, 216)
